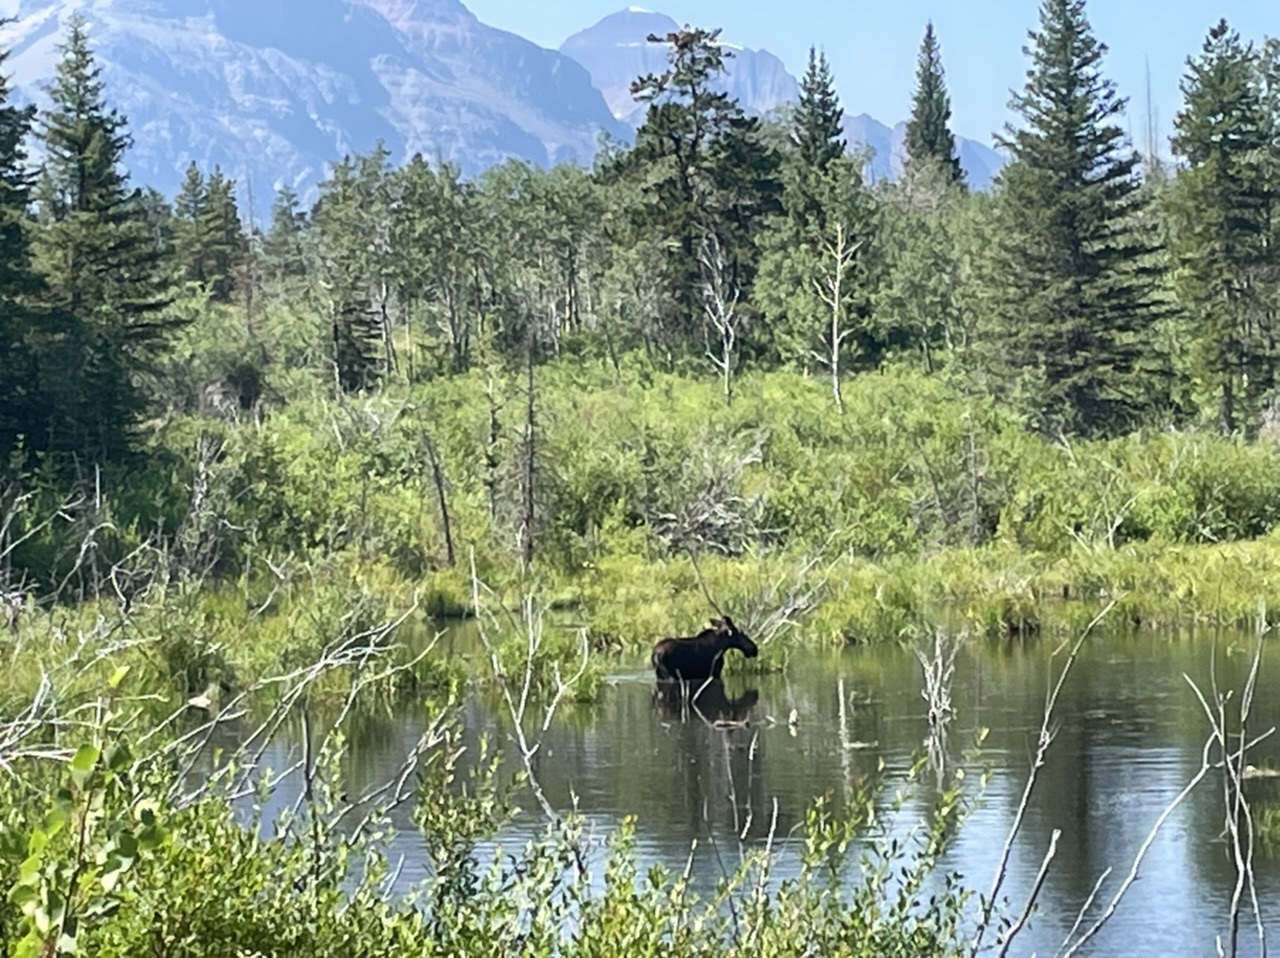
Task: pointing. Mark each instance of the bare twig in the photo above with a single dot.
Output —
(988, 904)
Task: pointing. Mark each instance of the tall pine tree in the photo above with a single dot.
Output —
(706, 172)
(188, 211)
(929, 136)
(1080, 278)
(1222, 207)
(828, 225)
(817, 131)
(21, 410)
(226, 247)
(106, 289)
(283, 249)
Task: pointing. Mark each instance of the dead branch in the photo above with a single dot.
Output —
(720, 294)
(709, 514)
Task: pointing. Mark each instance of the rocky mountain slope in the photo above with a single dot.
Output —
(615, 52)
(274, 90)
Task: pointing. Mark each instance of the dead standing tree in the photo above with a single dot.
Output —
(528, 464)
(720, 295)
(833, 290)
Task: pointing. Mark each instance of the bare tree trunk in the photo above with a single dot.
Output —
(491, 452)
(437, 476)
(528, 465)
(832, 291)
(720, 303)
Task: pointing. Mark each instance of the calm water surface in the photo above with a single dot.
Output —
(1129, 737)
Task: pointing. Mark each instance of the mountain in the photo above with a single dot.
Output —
(615, 52)
(888, 144)
(273, 90)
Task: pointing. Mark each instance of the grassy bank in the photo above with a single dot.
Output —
(243, 546)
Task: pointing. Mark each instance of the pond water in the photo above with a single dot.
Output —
(1129, 736)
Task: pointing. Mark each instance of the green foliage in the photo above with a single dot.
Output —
(706, 176)
(1080, 280)
(21, 402)
(1224, 210)
(81, 858)
(209, 242)
(929, 137)
(105, 285)
(351, 219)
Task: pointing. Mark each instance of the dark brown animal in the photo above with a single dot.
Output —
(699, 657)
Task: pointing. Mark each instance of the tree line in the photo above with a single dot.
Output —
(1096, 287)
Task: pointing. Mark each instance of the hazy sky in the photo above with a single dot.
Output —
(872, 46)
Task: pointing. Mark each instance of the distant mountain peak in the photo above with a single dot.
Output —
(615, 50)
(274, 91)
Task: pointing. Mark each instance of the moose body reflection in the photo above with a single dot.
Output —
(679, 701)
(700, 657)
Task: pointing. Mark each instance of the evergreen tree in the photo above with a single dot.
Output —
(706, 172)
(188, 211)
(829, 220)
(816, 166)
(817, 131)
(103, 271)
(1222, 206)
(1080, 279)
(929, 137)
(282, 249)
(225, 246)
(21, 409)
(353, 231)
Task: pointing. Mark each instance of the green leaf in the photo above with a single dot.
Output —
(119, 757)
(22, 896)
(35, 845)
(55, 820)
(82, 764)
(118, 676)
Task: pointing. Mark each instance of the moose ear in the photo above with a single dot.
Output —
(717, 623)
(729, 622)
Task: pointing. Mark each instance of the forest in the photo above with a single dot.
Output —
(718, 365)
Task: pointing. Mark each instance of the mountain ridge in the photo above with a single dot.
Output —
(225, 83)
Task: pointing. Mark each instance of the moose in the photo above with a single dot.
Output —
(699, 657)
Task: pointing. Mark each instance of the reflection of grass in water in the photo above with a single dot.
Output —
(1266, 827)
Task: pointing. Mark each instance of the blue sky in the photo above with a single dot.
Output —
(872, 47)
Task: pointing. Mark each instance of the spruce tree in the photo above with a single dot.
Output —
(706, 172)
(817, 131)
(1080, 279)
(226, 248)
(829, 220)
(96, 249)
(21, 409)
(188, 211)
(282, 248)
(929, 136)
(816, 167)
(344, 217)
(1222, 207)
